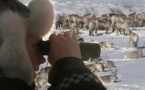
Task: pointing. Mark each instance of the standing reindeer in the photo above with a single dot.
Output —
(129, 21)
(124, 26)
(103, 23)
(134, 38)
(70, 18)
(71, 25)
(140, 19)
(58, 21)
(115, 18)
(133, 16)
(92, 27)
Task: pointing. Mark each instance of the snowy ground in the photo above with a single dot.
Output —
(131, 73)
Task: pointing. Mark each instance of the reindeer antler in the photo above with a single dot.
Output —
(105, 57)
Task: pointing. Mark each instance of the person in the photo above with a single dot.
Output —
(21, 29)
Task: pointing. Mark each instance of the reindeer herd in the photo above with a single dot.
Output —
(112, 22)
(119, 23)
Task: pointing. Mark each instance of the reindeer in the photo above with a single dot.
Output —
(134, 19)
(91, 67)
(107, 16)
(41, 82)
(96, 67)
(70, 18)
(115, 18)
(102, 23)
(124, 26)
(103, 44)
(87, 22)
(110, 15)
(93, 60)
(92, 27)
(109, 78)
(80, 21)
(38, 82)
(75, 31)
(43, 72)
(99, 67)
(134, 55)
(87, 16)
(104, 16)
(65, 27)
(42, 77)
(132, 16)
(134, 38)
(143, 19)
(94, 41)
(140, 19)
(70, 25)
(59, 21)
(109, 64)
(129, 21)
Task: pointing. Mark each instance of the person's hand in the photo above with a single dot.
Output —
(63, 46)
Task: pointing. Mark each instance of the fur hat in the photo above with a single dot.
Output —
(15, 23)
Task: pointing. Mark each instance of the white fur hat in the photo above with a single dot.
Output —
(13, 29)
(41, 18)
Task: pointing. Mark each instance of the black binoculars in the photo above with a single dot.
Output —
(88, 50)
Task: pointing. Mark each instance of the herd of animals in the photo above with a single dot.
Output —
(119, 23)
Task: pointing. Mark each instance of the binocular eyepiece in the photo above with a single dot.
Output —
(88, 50)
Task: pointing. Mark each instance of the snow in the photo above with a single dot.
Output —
(131, 73)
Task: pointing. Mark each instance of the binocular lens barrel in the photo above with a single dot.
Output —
(88, 50)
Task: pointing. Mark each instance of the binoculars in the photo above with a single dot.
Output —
(88, 50)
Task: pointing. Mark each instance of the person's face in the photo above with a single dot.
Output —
(33, 51)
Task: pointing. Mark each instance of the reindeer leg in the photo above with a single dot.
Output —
(106, 31)
(116, 68)
(129, 43)
(117, 32)
(110, 69)
(133, 44)
(90, 32)
(96, 30)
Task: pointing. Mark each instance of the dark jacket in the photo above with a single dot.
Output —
(69, 73)
(13, 84)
